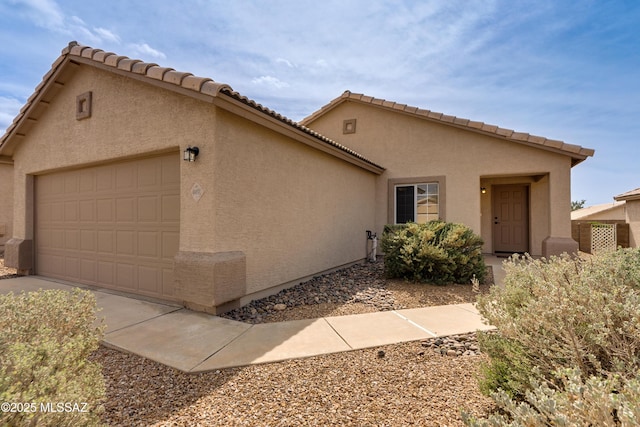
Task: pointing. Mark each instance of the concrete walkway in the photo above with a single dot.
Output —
(198, 342)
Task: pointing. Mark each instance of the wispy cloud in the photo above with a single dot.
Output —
(49, 15)
(143, 50)
(270, 81)
(9, 107)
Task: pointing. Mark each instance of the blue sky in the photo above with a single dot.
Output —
(567, 70)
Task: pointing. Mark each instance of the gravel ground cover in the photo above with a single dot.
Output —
(423, 383)
(6, 272)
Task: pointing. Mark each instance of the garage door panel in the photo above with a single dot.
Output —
(170, 173)
(87, 210)
(149, 280)
(88, 270)
(125, 276)
(126, 209)
(125, 242)
(57, 239)
(168, 289)
(114, 226)
(170, 244)
(106, 274)
(71, 266)
(57, 211)
(105, 209)
(171, 208)
(71, 240)
(106, 240)
(148, 244)
(125, 177)
(148, 209)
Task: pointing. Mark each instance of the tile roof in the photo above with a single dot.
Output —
(629, 195)
(194, 85)
(577, 152)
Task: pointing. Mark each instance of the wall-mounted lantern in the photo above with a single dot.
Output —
(483, 190)
(190, 154)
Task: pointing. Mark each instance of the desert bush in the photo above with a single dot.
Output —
(558, 314)
(436, 252)
(594, 401)
(46, 377)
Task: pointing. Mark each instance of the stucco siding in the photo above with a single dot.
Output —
(412, 147)
(294, 210)
(633, 218)
(6, 203)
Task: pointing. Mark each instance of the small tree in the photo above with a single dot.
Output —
(577, 204)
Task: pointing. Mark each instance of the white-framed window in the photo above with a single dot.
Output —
(417, 202)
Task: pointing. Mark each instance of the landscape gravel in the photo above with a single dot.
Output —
(421, 383)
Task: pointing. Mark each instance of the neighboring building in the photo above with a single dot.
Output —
(605, 212)
(102, 196)
(632, 200)
(588, 226)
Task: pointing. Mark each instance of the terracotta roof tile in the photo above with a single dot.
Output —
(175, 77)
(536, 139)
(101, 55)
(142, 67)
(88, 53)
(194, 82)
(203, 85)
(504, 132)
(127, 64)
(553, 143)
(158, 72)
(113, 60)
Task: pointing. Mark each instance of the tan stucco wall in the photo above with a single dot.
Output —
(410, 147)
(633, 218)
(290, 209)
(6, 203)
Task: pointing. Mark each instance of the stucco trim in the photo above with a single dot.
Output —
(442, 194)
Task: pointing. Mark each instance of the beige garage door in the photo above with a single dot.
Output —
(115, 226)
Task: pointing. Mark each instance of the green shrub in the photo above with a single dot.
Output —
(436, 252)
(559, 314)
(46, 338)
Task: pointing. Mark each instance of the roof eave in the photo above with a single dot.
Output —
(577, 153)
(293, 130)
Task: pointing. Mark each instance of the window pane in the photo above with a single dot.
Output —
(404, 204)
(428, 207)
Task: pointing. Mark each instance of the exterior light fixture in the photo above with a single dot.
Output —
(190, 154)
(483, 190)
